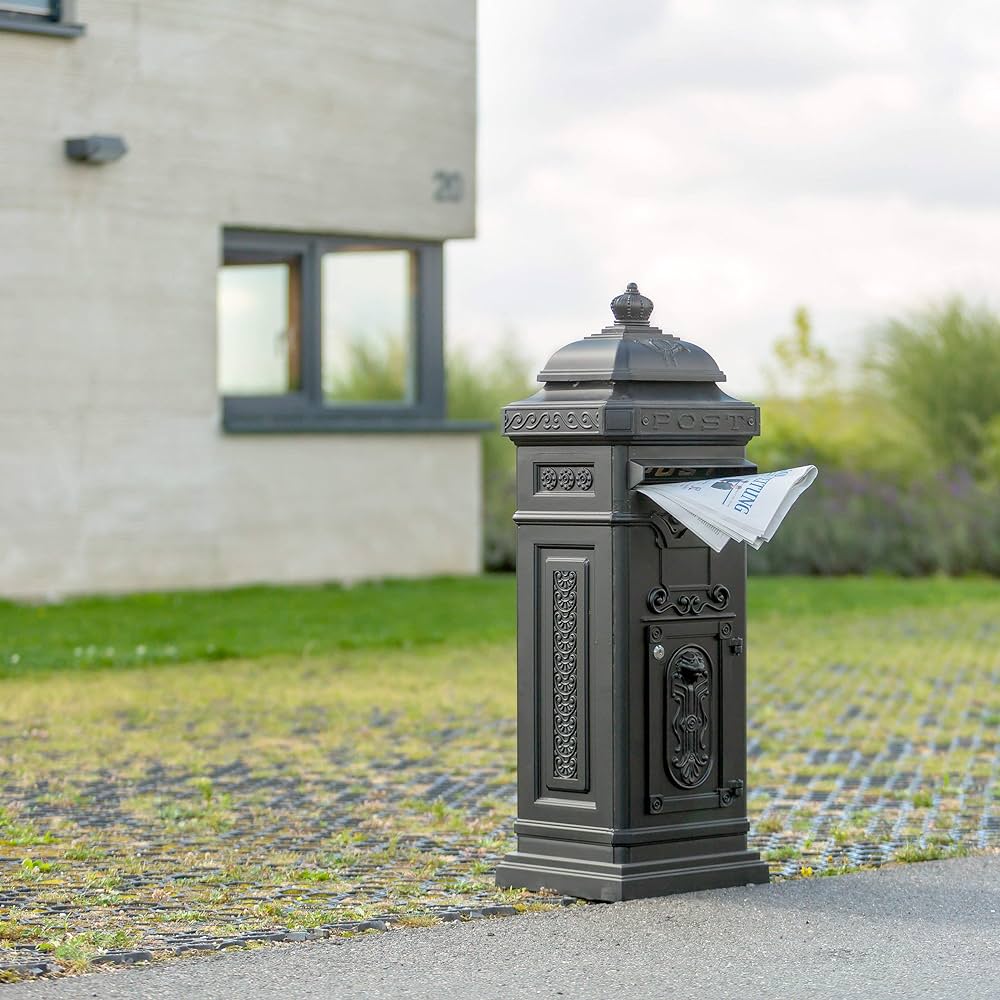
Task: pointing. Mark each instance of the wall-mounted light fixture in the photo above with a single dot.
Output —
(96, 148)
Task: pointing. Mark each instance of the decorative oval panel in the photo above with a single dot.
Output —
(688, 706)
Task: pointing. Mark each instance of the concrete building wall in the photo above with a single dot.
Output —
(315, 115)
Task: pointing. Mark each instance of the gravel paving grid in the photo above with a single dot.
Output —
(927, 931)
(863, 749)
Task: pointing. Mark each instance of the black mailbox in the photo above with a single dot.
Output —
(631, 631)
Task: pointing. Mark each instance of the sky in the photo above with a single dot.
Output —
(734, 159)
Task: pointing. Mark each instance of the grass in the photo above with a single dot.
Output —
(911, 853)
(356, 759)
(252, 622)
(255, 622)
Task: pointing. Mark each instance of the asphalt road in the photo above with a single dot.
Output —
(925, 930)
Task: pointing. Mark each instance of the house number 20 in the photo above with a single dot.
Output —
(449, 185)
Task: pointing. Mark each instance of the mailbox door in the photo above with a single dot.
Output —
(689, 669)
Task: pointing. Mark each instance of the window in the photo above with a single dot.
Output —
(328, 333)
(367, 305)
(260, 298)
(42, 17)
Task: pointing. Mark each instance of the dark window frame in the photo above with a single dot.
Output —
(59, 22)
(306, 409)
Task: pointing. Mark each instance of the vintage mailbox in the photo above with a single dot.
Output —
(631, 631)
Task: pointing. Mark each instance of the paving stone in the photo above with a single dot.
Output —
(29, 968)
(122, 958)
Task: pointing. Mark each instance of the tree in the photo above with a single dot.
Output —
(802, 367)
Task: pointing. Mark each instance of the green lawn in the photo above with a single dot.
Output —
(253, 622)
(346, 755)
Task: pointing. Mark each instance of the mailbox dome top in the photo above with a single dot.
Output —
(631, 351)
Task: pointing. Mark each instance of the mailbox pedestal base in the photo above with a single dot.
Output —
(591, 871)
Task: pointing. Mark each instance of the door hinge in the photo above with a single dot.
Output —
(732, 792)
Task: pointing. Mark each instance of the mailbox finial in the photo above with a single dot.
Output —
(632, 308)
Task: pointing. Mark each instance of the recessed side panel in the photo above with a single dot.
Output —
(558, 483)
(563, 670)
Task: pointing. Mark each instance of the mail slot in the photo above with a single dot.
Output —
(642, 473)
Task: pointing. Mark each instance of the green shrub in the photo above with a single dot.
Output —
(376, 371)
(479, 391)
(940, 369)
(863, 523)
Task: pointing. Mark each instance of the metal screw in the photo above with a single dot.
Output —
(659, 652)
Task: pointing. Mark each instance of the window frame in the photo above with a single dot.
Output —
(307, 409)
(59, 22)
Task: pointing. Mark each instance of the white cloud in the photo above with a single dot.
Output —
(734, 159)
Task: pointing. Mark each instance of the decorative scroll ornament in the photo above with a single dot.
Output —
(664, 525)
(577, 421)
(716, 598)
(689, 737)
(565, 616)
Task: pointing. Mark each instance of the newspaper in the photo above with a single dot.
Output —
(742, 508)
